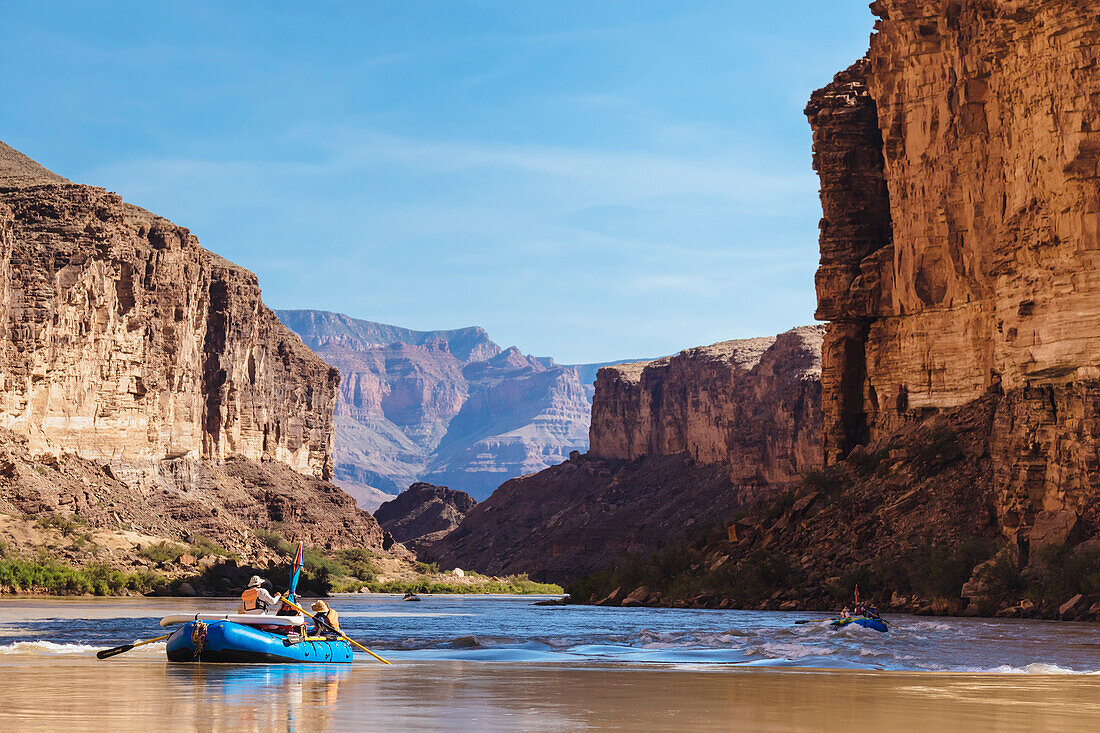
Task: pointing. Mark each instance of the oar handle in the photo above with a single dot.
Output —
(327, 625)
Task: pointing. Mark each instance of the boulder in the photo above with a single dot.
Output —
(1054, 528)
(637, 597)
(1071, 607)
(610, 599)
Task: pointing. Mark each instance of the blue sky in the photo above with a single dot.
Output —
(586, 180)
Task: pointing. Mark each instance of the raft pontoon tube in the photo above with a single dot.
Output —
(228, 641)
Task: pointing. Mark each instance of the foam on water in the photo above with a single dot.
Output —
(1033, 668)
(47, 647)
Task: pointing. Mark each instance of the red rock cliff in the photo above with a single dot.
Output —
(960, 243)
(122, 339)
(752, 404)
(676, 443)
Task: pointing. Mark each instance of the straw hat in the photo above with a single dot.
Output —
(320, 606)
(255, 581)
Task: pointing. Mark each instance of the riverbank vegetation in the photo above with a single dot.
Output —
(43, 574)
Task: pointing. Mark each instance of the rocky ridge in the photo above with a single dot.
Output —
(122, 339)
(960, 194)
(750, 404)
(960, 239)
(423, 513)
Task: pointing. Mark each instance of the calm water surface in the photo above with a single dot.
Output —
(480, 663)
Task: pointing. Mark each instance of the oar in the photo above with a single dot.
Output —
(327, 625)
(814, 620)
(127, 647)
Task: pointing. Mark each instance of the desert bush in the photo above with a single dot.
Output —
(162, 552)
(202, 546)
(44, 574)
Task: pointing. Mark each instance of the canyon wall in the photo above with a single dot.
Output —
(146, 389)
(447, 407)
(751, 404)
(960, 239)
(676, 444)
(122, 339)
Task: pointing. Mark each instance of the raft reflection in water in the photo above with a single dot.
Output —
(259, 697)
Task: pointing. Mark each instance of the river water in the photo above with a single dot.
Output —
(500, 663)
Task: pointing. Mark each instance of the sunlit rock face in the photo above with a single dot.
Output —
(146, 387)
(752, 405)
(960, 239)
(122, 339)
(676, 444)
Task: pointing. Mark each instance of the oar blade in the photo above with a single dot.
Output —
(112, 652)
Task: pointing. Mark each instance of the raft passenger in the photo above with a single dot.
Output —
(323, 613)
(256, 599)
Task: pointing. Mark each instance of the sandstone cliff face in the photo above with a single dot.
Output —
(752, 405)
(676, 443)
(122, 339)
(961, 238)
(424, 513)
(145, 386)
(447, 407)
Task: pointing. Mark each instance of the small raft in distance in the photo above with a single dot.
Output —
(867, 622)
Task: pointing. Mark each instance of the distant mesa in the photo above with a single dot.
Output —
(448, 407)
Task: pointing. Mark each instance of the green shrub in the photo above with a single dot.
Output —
(511, 585)
(65, 525)
(276, 542)
(47, 575)
(203, 546)
(162, 552)
(358, 564)
(1059, 573)
(427, 568)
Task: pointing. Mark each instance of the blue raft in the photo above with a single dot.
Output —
(226, 641)
(866, 622)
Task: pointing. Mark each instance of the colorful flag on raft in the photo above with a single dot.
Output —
(295, 571)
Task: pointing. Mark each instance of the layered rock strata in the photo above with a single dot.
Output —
(145, 386)
(448, 407)
(752, 405)
(122, 339)
(675, 444)
(976, 270)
